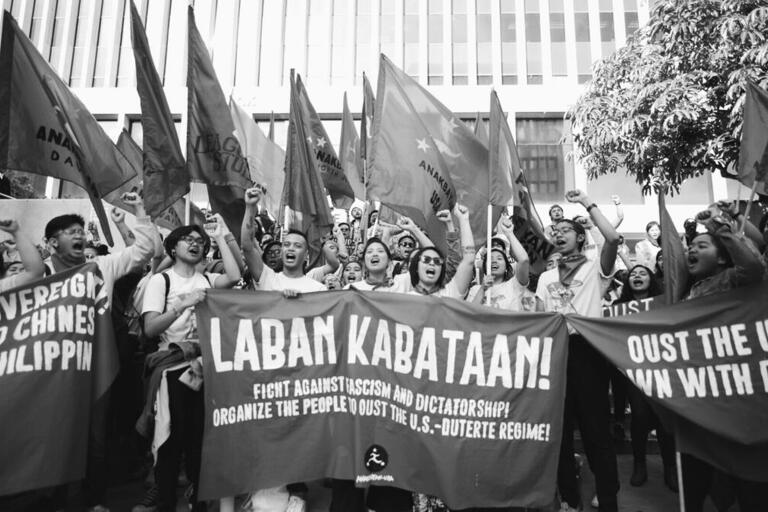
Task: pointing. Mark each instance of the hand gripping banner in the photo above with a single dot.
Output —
(435, 396)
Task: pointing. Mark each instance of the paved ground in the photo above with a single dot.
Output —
(652, 497)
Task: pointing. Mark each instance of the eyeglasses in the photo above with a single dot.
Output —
(192, 240)
(563, 231)
(73, 231)
(408, 245)
(432, 260)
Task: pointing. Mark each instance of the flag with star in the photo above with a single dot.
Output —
(407, 170)
(334, 179)
(509, 187)
(304, 205)
(349, 145)
(463, 157)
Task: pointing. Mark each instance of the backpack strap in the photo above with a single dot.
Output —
(167, 281)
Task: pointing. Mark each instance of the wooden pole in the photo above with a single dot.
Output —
(680, 493)
(749, 207)
(187, 210)
(489, 233)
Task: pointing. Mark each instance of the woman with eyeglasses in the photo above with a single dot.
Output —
(427, 269)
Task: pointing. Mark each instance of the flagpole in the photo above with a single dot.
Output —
(489, 232)
(749, 207)
(187, 210)
(285, 222)
(681, 494)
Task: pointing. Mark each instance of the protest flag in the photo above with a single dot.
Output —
(265, 158)
(214, 156)
(349, 147)
(407, 172)
(505, 172)
(165, 175)
(304, 204)
(317, 139)
(369, 103)
(464, 157)
(170, 218)
(675, 265)
(41, 119)
(753, 152)
(480, 130)
(51, 376)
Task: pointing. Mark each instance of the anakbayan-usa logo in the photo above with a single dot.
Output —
(375, 460)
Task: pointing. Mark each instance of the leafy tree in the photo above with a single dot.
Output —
(668, 105)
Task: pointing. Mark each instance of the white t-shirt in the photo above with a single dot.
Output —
(9, 282)
(450, 290)
(507, 295)
(184, 328)
(583, 296)
(278, 281)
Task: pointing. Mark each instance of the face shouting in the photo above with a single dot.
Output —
(566, 238)
(190, 248)
(704, 258)
(498, 265)
(430, 267)
(70, 243)
(353, 272)
(294, 251)
(375, 258)
(639, 279)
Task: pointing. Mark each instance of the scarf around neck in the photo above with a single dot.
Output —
(568, 267)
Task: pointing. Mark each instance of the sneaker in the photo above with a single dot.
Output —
(595, 503)
(149, 502)
(98, 508)
(565, 507)
(296, 504)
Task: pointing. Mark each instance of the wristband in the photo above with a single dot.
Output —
(229, 237)
(589, 208)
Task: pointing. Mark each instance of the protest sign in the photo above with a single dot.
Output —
(705, 363)
(633, 306)
(56, 354)
(436, 396)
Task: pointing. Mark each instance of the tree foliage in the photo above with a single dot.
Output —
(668, 105)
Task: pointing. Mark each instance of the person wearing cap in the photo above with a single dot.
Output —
(507, 287)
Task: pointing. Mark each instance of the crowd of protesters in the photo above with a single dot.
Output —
(155, 284)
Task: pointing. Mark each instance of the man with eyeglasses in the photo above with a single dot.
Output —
(576, 285)
(66, 238)
(168, 313)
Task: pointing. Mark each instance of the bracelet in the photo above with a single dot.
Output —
(589, 208)
(229, 237)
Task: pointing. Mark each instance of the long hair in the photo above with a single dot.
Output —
(413, 268)
(655, 287)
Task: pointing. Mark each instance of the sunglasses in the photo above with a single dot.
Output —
(408, 245)
(432, 260)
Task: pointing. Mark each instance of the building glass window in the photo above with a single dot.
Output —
(533, 41)
(435, 38)
(619, 183)
(57, 35)
(557, 38)
(76, 79)
(607, 32)
(484, 28)
(317, 45)
(508, 43)
(411, 38)
(696, 190)
(631, 21)
(339, 41)
(583, 48)
(459, 42)
(363, 38)
(542, 157)
(37, 21)
(104, 43)
(125, 65)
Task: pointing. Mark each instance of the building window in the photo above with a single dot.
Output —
(533, 41)
(411, 38)
(696, 190)
(631, 21)
(79, 53)
(106, 23)
(57, 35)
(387, 28)
(363, 38)
(435, 38)
(583, 49)
(542, 157)
(318, 65)
(339, 41)
(484, 28)
(459, 40)
(557, 38)
(508, 43)
(607, 32)
(37, 21)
